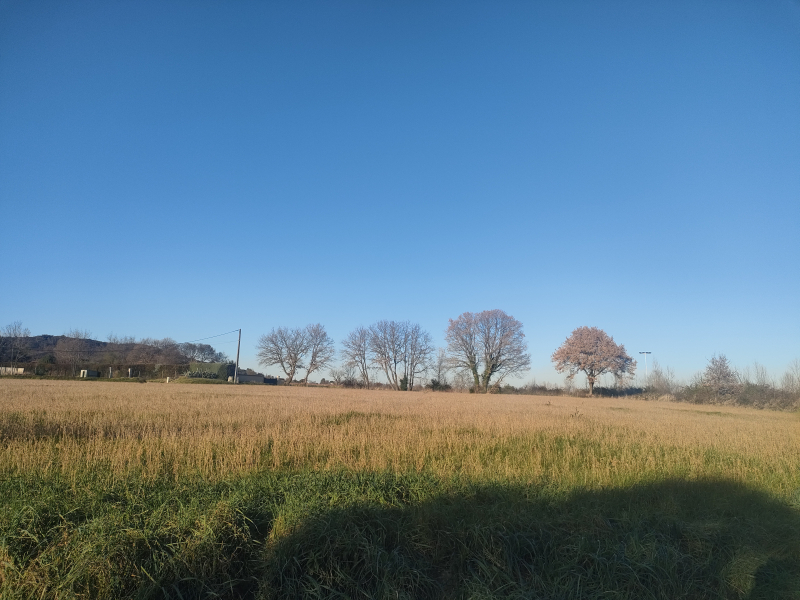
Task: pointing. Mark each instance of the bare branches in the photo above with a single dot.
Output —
(720, 376)
(417, 352)
(347, 376)
(462, 345)
(440, 366)
(393, 344)
(320, 349)
(790, 381)
(285, 347)
(400, 349)
(202, 353)
(489, 344)
(309, 348)
(13, 342)
(592, 351)
(357, 354)
(661, 380)
(74, 348)
(387, 340)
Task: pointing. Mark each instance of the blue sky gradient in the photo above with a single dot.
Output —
(183, 169)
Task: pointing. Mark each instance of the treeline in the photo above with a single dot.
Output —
(722, 383)
(68, 354)
(719, 383)
(482, 348)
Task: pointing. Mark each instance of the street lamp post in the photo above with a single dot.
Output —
(645, 366)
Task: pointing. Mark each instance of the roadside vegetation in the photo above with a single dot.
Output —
(153, 491)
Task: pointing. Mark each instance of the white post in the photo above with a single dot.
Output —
(645, 366)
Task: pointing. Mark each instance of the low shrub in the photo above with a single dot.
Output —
(200, 374)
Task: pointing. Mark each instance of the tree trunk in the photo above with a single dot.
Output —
(591, 385)
(487, 378)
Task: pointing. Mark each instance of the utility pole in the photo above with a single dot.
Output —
(645, 365)
(236, 370)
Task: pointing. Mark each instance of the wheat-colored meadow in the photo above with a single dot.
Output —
(216, 431)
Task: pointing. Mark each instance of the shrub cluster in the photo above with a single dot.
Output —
(200, 374)
(744, 394)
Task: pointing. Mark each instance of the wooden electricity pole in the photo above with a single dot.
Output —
(236, 371)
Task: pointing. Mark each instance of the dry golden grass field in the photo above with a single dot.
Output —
(74, 441)
(216, 431)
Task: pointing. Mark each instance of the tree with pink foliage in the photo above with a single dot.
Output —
(593, 352)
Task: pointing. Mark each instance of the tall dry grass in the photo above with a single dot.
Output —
(214, 432)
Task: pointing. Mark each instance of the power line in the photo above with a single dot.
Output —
(209, 337)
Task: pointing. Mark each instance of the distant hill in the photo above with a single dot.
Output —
(64, 349)
(39, 346)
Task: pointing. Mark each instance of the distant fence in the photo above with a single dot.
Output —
(105, 370)
(12, 370)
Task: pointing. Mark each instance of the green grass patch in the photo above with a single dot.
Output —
(346, 534)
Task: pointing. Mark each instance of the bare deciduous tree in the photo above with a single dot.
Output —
(285, 347)
(118, 348)
(417, 353)
(169, 351)
(661, 380)
(357, 354)
(592, 351)
(462, 380)
(396, 344)
(14, 342)
(790, 381)
(346, 376)
(321, 349)
(439, 367)
(720, 376)
(487, 344)
(73, 349)
(201, 353)
(387, 341)
(153, 351)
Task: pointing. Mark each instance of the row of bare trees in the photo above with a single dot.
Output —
(400, 349)
(486, 347)
(164, 351)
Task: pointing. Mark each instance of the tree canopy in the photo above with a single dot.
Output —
(309, 348)
(720, 376)
(488, 344)
(592, 351)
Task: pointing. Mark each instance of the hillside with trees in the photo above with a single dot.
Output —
(68, 354)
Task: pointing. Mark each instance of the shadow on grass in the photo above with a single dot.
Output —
(379, 535)
(666, 540)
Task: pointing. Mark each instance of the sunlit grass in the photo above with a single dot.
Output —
(126, 489)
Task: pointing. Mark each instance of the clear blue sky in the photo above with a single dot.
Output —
(183, 169)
